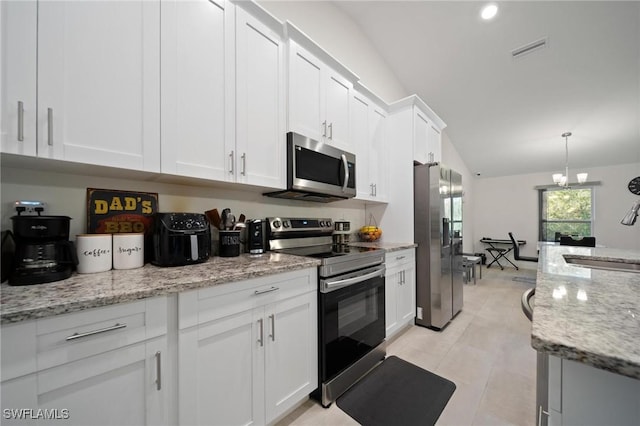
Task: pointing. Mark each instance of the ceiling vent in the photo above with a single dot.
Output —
(529, 48)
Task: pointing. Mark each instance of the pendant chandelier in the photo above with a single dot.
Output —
(563, 180)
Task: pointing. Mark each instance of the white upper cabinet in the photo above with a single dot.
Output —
(319, 96)
(261, 102)
(19, 31)
(98, 78)
(427, 128)
(197, 89)
(369, 135)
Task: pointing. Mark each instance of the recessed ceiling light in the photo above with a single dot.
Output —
(489, 11)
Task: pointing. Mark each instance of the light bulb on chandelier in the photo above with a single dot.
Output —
(563, 179)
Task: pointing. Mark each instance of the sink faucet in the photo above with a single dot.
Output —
(630, 218)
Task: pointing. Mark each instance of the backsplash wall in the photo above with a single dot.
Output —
(65, 194)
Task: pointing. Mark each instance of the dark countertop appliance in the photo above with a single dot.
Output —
(43, 252)
(317, 171)
(351, 311)
(181, 239)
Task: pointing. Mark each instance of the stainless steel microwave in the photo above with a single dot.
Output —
(317, 171)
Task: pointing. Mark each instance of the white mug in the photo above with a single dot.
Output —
(128, 251)
(94, 253)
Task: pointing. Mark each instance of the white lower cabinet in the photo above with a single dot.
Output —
(103, 366)
(400, 290)
(247, 351)
(583, 395)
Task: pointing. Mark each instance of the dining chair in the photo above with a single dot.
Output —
(516, 251)
(584, 241)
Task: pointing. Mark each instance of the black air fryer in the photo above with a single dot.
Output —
(181, 239)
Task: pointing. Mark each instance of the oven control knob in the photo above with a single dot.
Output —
(328, 223)
(285, 223)
(276, 224)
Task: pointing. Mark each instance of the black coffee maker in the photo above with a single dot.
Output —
(43, 252)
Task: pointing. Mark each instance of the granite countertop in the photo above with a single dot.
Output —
(388, 247)
(585, 314)
(84, 291)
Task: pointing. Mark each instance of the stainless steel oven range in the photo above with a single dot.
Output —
(351, 317)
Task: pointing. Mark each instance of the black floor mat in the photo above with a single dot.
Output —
(397, 393)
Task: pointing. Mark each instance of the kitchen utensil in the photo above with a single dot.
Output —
(214, 217)
(223, 218)
(230, 222)
(242, 218)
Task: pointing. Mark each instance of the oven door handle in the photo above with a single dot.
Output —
(329, 284)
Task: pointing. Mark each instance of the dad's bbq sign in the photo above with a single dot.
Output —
(112, 212)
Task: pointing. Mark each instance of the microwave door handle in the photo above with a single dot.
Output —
(346, 172)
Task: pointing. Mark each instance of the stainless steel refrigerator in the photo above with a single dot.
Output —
(438, 234)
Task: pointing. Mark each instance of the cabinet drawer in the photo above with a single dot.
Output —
(204, 305)
(65, 338)
(400, 257)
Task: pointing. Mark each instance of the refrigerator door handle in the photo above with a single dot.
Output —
(446, 236)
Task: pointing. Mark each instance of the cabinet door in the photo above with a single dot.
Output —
(391, 283)
(337, 101)
(98, 80)
(377, 154)
(221, 371)
(407, 295)
(305, 94)
(18, 86)
(291, 362)
(360, 135)
(434, 143)
(197, 89)
(420, 138)
(260, 103)
(117, 387)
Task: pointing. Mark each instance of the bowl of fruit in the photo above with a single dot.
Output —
(369, 233)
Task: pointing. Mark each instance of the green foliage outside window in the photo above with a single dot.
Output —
(566, 212)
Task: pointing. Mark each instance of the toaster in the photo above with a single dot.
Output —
(180, 239)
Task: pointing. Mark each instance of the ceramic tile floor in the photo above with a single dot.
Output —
(485, 351)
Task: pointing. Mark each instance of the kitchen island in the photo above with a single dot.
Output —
(587, 321)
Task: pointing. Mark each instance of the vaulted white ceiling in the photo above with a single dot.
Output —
(505, 116)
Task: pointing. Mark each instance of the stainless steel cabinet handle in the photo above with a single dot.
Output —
(272, 317)
(50, 126)
(158, 371)
(91, 333)
(375, 189)
(371, 193)
(261, 339)
(20, 121)
(244, 163)
(404, 281)
(400, 257)
(540, 413)
(324, 128)
(331, 131)
(231, 161)
(269, 290)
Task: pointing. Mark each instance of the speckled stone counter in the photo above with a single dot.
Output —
(588, 315)
(84, 291)
(388, 247)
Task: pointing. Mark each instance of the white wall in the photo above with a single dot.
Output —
(65, 194)
(510, 203)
